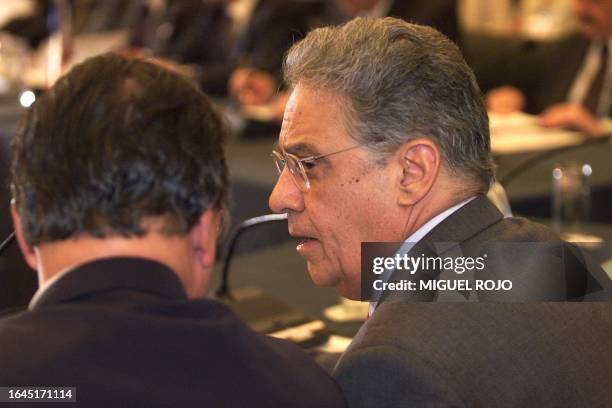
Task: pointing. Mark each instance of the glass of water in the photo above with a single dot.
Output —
(571, 196)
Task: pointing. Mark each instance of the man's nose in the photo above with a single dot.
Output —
(286, 197)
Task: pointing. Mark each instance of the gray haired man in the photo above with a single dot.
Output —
(385, 139)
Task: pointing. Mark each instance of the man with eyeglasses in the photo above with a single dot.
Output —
(385, 138)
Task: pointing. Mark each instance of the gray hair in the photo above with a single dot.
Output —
(400, 81)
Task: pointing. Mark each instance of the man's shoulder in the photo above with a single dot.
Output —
(410, 326)
(444, 329)
(149, 340)
(540, 265)
(92, 320)
(462, 351)
(480, 220)
(517, 229)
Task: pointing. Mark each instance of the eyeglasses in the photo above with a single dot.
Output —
(297, 167)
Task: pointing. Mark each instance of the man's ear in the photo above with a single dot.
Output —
(419, 161)
(203, 238)
(27, 250)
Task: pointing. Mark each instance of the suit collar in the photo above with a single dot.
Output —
(465, 223)
(474, 217)
(108, 274)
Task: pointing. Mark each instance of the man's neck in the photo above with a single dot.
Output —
(56, 257)
(436, 202)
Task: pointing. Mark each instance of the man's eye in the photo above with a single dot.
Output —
(309, 165)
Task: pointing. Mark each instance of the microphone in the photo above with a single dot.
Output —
(262, 312)
(7, 242)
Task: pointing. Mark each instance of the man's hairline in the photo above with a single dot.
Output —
(380, 158)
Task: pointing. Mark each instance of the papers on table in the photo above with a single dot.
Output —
(335, 344)
(519, 132)
(347, 311)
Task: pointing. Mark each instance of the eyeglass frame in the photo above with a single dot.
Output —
(282, 157)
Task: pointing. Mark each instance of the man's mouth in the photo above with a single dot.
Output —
(305, 240)
(305, 245)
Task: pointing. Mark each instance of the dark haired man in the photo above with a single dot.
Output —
(119, 187)
(385, 138)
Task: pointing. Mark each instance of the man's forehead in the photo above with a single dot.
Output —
(290, 107)
(287, 133)
(301, 144)
(311, 119)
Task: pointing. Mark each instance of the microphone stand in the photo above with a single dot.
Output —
(7, 242)
(223, 291)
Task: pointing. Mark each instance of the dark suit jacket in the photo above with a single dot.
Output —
(550, 70)
(440, 14)
(274, 27)
(482, 354)
(122, 332)
(543, 71)
(196, 34)
(200, 34)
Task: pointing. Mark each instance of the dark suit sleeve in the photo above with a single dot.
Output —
(440, 14)
(274, 27)
(543, 71)
(384, 376)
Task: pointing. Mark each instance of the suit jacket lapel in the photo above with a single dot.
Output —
(474, 217)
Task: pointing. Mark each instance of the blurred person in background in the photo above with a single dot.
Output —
(244, 40)
(569, 82)
(216, 37)
(27, 19)
(257, 87)
(440, 14)
(275, 26)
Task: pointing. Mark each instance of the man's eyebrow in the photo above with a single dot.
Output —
(301, 149)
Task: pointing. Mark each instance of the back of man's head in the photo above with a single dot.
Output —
(115, 142)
